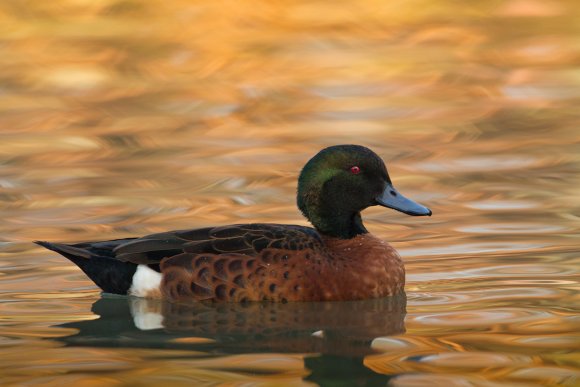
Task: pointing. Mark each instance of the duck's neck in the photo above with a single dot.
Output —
(343, 226)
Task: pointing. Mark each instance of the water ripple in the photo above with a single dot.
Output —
(480, 318)
(473, 248)
(511, 228)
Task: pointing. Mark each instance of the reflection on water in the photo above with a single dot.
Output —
(120, 118)
(336, 336)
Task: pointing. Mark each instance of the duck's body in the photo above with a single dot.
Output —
(336, 260)
(237, 263)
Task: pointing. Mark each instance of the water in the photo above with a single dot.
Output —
(121, 118)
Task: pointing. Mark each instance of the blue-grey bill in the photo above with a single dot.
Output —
(393, 199)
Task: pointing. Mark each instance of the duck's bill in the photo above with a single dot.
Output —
(391, 198)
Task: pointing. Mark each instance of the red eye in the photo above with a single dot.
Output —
(355, 170)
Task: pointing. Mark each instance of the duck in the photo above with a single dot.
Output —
(335, 260)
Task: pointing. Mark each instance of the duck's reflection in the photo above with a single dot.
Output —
(340, 333)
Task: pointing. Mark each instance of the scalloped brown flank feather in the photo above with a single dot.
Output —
(268, 262)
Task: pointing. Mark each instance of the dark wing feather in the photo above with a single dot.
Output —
(245, 239)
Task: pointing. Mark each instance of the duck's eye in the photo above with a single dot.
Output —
(355, 170)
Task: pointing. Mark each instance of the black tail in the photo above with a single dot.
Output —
(111, 275)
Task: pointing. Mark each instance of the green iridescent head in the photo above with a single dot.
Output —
(341, 181)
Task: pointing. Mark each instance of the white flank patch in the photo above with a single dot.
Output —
(145, 280)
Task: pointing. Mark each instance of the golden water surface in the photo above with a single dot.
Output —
(120, 118)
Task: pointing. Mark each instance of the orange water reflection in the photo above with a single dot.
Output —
(120, 118)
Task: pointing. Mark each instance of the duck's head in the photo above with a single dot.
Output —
(341, 181)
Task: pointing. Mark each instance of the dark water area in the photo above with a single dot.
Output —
(123, 118)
